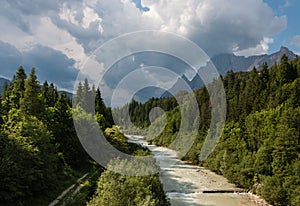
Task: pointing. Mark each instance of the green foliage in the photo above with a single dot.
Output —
(286, 72)
(17, 88)
(32, 101)
(262, 154)
(259, 147)
(60, 122)
(139, 113)
(119, 141)
(29, 162)
(39, 148)
(90, 101)
(273, 191)
(50, 94)
(117, 190)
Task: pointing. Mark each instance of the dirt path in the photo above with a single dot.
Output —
(65, 192)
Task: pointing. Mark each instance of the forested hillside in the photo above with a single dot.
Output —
(40, 153)
(259, 148)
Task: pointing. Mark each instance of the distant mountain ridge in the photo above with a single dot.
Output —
(227, 62)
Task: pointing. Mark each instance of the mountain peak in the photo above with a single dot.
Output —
(284, 49)
(277, 56)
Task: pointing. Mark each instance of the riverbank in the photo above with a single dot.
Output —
(187, 184)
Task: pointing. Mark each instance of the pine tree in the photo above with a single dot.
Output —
(99, 104)
(264, 76)
(45, 88)
(32, 102)
(251, 91)
(78, 98)
(88, 103)
(50, 94)
(85, 97)
(286, 72)
(62, 127)
(17, 88)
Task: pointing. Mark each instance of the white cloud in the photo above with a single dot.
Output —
(91, 16)
(296, 41)
(40, 30)
(77, 27)
(261, 48)
(48, 34)
(68, 15)
(216, 25)
(219, 26)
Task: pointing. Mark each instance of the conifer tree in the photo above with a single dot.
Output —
(85, 96)
(78, 98)
(50, 94)
(99, 104)
(264, 76)
(65, 134)
(32, 102)
(286, 72)
(17, 88)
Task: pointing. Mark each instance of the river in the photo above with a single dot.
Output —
(189, 185)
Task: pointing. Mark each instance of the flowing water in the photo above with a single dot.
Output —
(191, 185)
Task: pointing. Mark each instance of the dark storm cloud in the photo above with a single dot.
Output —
(51, 65)
(10, 59)
(20, 12)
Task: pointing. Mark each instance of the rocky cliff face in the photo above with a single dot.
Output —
(226, 62)
(273, 58)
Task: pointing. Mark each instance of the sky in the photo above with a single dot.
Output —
(57, 37)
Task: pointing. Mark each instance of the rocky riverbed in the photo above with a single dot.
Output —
(191, 185)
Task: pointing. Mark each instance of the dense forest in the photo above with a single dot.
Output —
(40, 153)
(259, 148)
